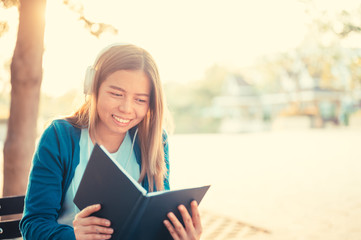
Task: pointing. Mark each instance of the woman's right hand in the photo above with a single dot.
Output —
(88, 227)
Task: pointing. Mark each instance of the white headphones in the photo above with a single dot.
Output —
(91, 71)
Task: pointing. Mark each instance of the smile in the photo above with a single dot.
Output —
(121, 120)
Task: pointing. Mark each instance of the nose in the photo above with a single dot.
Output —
(125, 106)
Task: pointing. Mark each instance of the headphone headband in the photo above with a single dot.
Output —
(91, 71)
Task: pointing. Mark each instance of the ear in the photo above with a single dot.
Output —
(88, 81)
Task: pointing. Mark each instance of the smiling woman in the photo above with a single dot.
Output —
(124, 112)
(133, 72)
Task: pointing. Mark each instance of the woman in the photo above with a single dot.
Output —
(124, 112)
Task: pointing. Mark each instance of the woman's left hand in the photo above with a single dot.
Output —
(193, 226)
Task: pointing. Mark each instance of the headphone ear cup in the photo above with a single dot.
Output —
(88, 81)
(90, 72)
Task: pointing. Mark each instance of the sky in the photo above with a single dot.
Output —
(185, 37)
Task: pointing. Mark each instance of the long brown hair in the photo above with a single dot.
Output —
(150, 129)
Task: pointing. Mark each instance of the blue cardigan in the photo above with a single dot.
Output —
(54, 164)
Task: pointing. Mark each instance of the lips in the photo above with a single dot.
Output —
(121, 120)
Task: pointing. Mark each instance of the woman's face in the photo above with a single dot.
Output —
(123, 102)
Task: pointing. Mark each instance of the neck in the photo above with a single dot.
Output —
(110, 142)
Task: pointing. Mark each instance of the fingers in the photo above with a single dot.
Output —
(193, 226)
(88, 221)
(97, 232)
(171, 230)
(175, 228)
(97, 229)
(186, 218)
(196, 217)
(92, 232)
(82, 218)
(92, 236)
(90, 227)
(89, 210)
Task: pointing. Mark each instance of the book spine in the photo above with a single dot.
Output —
(136, 218)
(124, 230)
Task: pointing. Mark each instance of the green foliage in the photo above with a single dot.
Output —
(350, 22)
(341, 23)
(188, 103)
(9, 3)
(326, 66)
(4, 27)
(95, 28)
(321, 54)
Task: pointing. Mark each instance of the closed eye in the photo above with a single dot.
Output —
(116, 94)
(141, 100)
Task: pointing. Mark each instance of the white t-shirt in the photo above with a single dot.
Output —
(124, 156)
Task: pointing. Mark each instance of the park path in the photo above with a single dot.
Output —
(293, 184)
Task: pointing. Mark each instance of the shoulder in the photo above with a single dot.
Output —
(62, 132)
(59, 145)
(62, 126)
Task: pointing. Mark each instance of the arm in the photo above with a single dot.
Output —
(46, 188)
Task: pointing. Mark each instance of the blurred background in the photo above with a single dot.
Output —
(265, 97)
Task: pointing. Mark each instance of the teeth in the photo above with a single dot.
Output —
(121, 120)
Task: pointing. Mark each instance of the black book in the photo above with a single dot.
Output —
(134, 213)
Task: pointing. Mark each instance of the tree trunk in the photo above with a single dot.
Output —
(26, 77)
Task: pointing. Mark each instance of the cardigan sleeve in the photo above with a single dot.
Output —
(47, 181)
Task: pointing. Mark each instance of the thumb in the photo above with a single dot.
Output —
(86, 212)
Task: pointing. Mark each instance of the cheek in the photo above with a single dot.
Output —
(143, 112)
(102, 106)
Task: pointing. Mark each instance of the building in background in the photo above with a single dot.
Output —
(242, 108)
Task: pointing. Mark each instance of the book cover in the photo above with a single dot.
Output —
(134, 213)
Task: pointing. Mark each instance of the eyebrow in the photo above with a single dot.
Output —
(122, 90)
